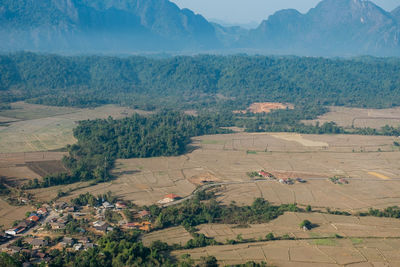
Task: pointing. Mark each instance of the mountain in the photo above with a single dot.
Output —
(333, 27)
(396, 14)
(96, 25)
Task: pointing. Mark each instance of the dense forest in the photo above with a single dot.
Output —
(205, 81)
(100, 142)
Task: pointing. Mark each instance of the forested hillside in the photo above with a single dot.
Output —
(197, 82)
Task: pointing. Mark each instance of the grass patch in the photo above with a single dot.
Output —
(314, 235)
(356, 241)
(325, 242)
(213, 142)
(251, 152)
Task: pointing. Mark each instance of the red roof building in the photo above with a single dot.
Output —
(143, 213)
(34, 218)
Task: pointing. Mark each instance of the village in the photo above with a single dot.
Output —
(73, 227)
(78, 225)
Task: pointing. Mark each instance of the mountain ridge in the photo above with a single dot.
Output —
(332, 28)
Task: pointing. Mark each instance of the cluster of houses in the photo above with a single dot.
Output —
(286, 181)
(28, 223)
(38, 248)
(35, 256)
(37, 244)
(101, 226)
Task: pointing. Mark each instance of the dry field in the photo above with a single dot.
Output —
(374, 176)
(44, 128)
(145, 181)
(357, 117)
(367, 241)
(318, 253)
(9, 214)
(44, 168)
(21, 167)
(171, 236)
(328, 226)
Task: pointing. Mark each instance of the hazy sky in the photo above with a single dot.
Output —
(245, 11)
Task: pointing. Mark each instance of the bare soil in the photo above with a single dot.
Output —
(265, 107)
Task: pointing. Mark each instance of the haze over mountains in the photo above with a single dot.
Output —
(332, 28)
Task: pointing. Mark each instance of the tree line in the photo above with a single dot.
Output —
(204, 81)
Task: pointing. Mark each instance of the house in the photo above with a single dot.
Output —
(57, 225)
(131, 226)
(108, 205)
(120, 205)
(143, 213)
(83, 239)
(15, 231)
(63, 219)
(265, 174)
(144, 226)
(169, 198)
(70, 209)
(38, 243)
(34, 218)
(59, 206)
(101, 226)
(42, 211)
(78, 246)
(67, 242)
(98, 223)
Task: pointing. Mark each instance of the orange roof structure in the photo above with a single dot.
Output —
(34, 218)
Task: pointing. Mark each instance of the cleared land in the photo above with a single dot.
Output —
(265, 107)
(357, 117)
(329, 253)
(42, 128)
(226, 159)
